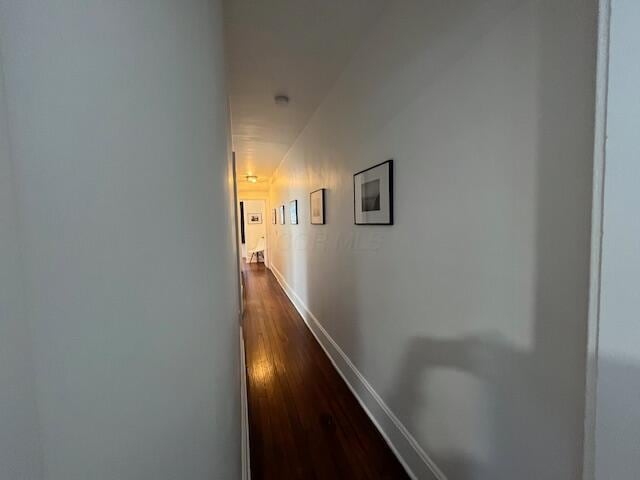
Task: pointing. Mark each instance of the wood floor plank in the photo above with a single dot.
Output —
(304, 422)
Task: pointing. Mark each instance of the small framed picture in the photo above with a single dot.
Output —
(373, 195)
(274, 216)
(293, 211)
(253, 218)
(317, 207)
(281, 214)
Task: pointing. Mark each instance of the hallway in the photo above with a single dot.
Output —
(304, 421)
(435, 200)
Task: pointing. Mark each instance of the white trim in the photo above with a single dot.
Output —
(412, 457)
(246, 457)
(599, 163)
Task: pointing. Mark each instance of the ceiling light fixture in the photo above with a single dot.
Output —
(281, 100)
(252, 178)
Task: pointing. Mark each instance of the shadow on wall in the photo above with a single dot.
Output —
(535, 397)
(520, 415)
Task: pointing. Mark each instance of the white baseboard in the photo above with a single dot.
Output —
(246, 458)
(413, 458)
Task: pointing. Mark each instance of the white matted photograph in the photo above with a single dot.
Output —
(373, 195)
(317, 207)
(253, 218)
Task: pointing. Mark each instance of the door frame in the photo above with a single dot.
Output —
(597, 212)
(266, 218)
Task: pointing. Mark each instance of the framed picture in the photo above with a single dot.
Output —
(317, 207)
(253, 218)
(274, 216)
(373, 195)
(281, 214)
(293, 211)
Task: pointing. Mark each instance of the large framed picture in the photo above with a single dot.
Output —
(317, 207)
(281, 214)
(253, 218)
(293, 211)
(373, 195)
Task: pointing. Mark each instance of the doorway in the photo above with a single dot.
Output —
(253, 230)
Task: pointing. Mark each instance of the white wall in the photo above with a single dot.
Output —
(118, 122)
(20, 448)
(618, 408)
(467, 316)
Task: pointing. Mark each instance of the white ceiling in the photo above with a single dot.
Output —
(292, 47)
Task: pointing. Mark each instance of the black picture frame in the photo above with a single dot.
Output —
(323, 221)
(282, 215)
(254, 218)
(242, 222)
(293, 212)
(390, 194)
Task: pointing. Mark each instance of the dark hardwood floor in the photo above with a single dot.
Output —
(304, 422)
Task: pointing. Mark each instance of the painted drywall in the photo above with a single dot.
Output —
(20, 448)
(253, 232)
(119, 133)
(468, 316)
(617, 440)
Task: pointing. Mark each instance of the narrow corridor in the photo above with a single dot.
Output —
(304, 422)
